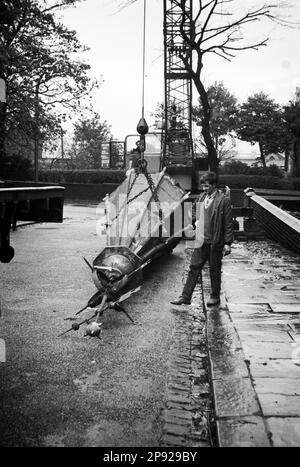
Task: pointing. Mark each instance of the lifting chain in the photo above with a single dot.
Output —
(153, 188)
(142, 168)
(128, 201)
(150, 183)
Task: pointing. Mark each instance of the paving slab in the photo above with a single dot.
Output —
(286, 307)
(248, 307)
(248, 297)
(285, 431)
(268, 335)
(226, 355)
(235, 397)
(243, 432)
(286, 287)
(286, 300)
(272, 325)
(289, 299)
(263, 303)
(279, 405)
(261, 318)
(291, 287)
(294, 323)
(267, 349)
(279, 368)
(284, 386)
(238, 415)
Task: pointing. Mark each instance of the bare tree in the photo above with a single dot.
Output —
(221, 28)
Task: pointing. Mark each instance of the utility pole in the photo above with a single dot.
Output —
(36, 133)
(2, 116)
(62, 142)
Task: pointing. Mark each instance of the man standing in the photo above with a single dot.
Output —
(214, 235)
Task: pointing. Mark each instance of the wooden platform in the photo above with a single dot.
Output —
(39, 204)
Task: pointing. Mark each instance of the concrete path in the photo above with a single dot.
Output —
(74, 390)
(141, 385)
(254, 340)
(71, 391)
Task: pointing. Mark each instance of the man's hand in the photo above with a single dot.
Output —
(226, 250)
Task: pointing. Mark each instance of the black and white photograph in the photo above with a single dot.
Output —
(149, 227)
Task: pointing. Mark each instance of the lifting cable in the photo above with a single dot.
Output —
(143, 130)
(144, 55)
(142, 163)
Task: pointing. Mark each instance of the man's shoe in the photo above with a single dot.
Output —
(181, 301)
(213, 301)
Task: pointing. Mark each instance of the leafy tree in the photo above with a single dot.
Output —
(237, 167)
(116, 155)
(219, 28)
(44, 79)
(224, 109)
(89, 134)
(175, 116)
(223, 121)
(261, 121)
(292, 118)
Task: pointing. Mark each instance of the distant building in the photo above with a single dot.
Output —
(277, 159)
(249, 154)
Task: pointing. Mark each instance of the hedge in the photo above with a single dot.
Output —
(237, 167)
(82, 176)
(259, 181)
(117, 176)
(15, 167)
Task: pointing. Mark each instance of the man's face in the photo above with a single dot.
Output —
(207, 187)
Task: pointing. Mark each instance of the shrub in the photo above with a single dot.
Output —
(275, 171)
(15, 167)
(256, 181)
(234, 167)
(272, 170)
(296, 184)
(82, 176)
(238, 167)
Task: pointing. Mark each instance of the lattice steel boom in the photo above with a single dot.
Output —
(177, 142)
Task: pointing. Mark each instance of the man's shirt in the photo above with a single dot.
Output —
(208, 212)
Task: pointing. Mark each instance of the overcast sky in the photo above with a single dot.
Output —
(115, 42)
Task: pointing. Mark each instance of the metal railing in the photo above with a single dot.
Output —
(278, 224)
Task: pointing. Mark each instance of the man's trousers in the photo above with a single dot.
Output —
(210, 253)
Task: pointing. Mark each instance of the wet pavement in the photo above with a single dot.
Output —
(189, 412)
(75, 390)
(141, 385)
(149, 384)
(254, 341)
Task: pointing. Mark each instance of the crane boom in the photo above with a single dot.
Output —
(177, 137)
